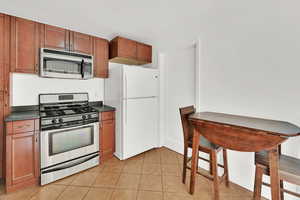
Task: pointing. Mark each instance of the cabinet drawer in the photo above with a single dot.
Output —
(107, 115)
(23, 126)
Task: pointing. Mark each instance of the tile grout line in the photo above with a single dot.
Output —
(140, 179)
(115, 187)
(162, 175)
(66, 186)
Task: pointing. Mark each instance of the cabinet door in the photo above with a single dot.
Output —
(4, 46)
(81, 43)
(127, 48)
(100, 58)
(1, 130)
(24, 45)
(144, 53)
(54, 37)
(107, 140)
(22, 158)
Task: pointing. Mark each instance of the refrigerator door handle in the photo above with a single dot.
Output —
(125, 111)
(125, 95)
(125, 86)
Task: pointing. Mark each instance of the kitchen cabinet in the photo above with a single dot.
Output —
(126, 51)
(4, 80)
(22, 154)
(59, 38)
(144, 53)
(24, 45)
(100, 58)
(4, 52)
(54, 37)
(81, 43)
(1, 131)
(107, 135)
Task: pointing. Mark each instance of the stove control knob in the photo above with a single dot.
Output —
(89, 116)
(83, 117)
(54, 121)
(61, 120)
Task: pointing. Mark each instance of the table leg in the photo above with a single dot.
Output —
(196, 142)
(274, 174)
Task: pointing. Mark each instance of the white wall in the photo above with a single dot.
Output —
(26, 88)
(179, 91)
(250, 66)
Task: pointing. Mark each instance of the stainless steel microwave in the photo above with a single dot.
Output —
(65, 64)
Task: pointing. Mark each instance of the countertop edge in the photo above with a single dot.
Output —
(34, 114)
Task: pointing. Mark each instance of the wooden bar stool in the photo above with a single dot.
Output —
(289, 171)
(206, 147)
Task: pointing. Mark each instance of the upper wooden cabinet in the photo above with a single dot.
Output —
(63, 39)
(100, 58)
(144, 53)
(4, 53)
(126, 51)
(24, 38)
(54, 37)
(24, 45)
(80, 42)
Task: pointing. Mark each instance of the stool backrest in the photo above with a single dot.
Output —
(184, 114)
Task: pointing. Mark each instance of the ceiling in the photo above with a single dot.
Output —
(164, 23)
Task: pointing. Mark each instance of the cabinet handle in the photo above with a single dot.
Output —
(23, 126)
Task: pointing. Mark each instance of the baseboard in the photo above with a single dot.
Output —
(174, 145)
(118, 156)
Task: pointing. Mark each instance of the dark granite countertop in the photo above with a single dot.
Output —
(23, 115)
(104, 108)
(32, 112)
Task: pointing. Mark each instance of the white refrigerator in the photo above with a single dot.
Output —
(133, 91)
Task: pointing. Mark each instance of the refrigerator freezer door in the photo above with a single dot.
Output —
(140, 126)
(140, 82)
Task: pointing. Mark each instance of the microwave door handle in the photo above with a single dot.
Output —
(82, 68)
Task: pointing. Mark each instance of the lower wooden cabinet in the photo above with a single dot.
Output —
(107, 135)
(22, 154)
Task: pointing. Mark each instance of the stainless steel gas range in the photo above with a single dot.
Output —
(69, 135)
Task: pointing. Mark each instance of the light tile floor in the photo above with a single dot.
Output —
(154, 175)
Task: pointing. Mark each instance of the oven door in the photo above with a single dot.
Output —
(65, 144)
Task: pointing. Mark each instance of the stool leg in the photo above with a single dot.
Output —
(215, 174)
(225, 163)
(210, 165)
(258, 183)
(281, 192)
(185, 157)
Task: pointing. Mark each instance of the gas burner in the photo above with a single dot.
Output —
(63, 113)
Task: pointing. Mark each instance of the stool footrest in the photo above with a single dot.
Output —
(283, 190)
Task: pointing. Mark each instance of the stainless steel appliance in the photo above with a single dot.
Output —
(65, 64)
(69, 135)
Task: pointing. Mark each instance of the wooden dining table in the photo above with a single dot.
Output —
(241, 133)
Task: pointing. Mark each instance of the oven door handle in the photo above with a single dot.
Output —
(94, 124)
(69, 165)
